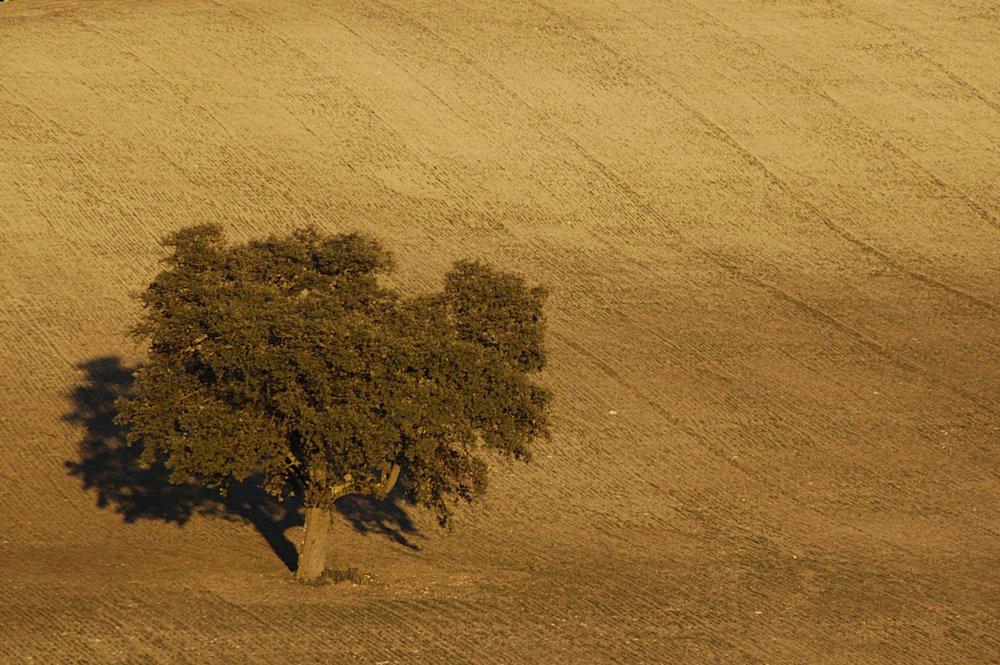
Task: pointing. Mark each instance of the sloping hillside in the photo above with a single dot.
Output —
(772, 236)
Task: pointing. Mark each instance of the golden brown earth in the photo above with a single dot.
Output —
(772, 235)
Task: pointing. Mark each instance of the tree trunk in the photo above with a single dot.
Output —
(312, 556)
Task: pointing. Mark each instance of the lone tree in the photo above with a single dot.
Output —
(285, 360)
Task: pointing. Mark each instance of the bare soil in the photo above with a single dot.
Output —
(772, 235)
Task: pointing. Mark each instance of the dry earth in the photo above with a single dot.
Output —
(772, 235)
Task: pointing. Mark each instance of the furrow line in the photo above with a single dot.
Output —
(777, 181)
(263, 177)
(872, 345)
(982, 212)
(969, 88)
(719, 453)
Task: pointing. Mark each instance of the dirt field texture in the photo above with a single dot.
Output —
(771, 231)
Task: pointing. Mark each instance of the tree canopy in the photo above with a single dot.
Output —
(285, 359)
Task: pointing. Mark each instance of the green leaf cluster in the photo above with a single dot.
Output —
(285, 359)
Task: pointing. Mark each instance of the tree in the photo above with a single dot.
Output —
(284, 360)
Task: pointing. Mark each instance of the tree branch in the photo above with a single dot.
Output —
(342, 488)
(294, 475)
(388, 482)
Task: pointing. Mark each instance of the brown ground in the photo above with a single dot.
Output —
(772, 235)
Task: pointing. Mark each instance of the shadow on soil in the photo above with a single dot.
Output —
(111, 467)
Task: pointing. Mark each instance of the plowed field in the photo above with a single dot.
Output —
(771, 231)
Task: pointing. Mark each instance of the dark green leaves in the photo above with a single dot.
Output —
(498, 311)
(284, 357)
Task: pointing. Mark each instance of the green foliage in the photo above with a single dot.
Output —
(286, 358)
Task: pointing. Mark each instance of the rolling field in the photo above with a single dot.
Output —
(771, 232)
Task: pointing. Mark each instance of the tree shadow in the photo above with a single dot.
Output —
(110, 467)
(385, 518)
